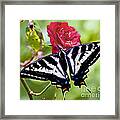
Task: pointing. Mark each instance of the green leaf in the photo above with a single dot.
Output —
(37, 25)
(23, 26)
(47, 50)
(33, 39)
(25, 53)
(23, 93)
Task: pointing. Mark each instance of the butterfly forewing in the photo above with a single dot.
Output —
(87, 54)
(51, 67)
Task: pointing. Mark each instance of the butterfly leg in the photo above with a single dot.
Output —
(64, 90)
(89, 90)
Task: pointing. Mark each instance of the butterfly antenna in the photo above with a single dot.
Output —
(59, 47)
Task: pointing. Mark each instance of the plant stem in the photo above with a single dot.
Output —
(27, 88)
(25, 64)
(37, 94)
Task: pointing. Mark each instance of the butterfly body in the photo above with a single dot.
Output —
(64, 66)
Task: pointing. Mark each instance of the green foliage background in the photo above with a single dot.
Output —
(90, 32)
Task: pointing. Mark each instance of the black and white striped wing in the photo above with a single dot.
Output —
(55, 67)
(80, 58)
(48, 68)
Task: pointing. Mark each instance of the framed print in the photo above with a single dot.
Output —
(59, 59)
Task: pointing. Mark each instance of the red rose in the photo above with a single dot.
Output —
(62, 35)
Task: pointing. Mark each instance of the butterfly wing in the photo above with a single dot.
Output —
(51, 67)
(80, 58)
(54, 67)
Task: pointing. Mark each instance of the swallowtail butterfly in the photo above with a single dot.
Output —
(64, 66)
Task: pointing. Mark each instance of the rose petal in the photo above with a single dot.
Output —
(63, 35)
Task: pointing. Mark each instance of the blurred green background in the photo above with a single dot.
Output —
(89, 31)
